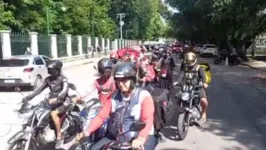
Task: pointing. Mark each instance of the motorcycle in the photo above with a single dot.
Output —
(190, 108)
(90, 111)
(119, 144)
(163, 78)
(38, 128)
(233, 61)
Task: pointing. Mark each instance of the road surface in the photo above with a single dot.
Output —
(236, 119)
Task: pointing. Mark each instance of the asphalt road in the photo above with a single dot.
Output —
(236, 116)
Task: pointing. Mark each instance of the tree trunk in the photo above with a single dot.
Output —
(253, 47)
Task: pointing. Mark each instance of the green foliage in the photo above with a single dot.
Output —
(91, 17)
(223, 22)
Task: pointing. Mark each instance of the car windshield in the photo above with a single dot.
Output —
(14, 62)
(210, 46)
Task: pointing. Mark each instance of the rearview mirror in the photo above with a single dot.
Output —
(72, 86)
(137, 126)
(95, 68)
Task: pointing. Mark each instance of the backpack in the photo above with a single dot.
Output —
(117, 118)
(207, 69)
(115, 122)
(164, 107)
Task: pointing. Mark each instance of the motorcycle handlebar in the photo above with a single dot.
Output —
(121, 146)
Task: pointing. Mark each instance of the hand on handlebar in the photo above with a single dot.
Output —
(138, 143)
(205, 85)
(176, 84)
(79, 137)
(52, 101)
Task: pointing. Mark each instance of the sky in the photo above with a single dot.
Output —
(171, 8)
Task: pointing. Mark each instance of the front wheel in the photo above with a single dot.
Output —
(182, 125)
(235, 61)
(218, 61)
(20, 145)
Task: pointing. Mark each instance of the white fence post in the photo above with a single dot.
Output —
(80, 44)
(6, 43)
(69, 45)
(34, 43)
(54, 50)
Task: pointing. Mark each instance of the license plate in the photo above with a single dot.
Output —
(9, 81)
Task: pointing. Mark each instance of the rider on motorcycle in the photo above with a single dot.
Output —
(104, 86)
(58, 96)
(168, 60)
(193, 74)
(140, 108)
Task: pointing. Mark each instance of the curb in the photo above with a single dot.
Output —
(89, 61)
(262, 70)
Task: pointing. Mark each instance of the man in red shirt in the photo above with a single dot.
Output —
(140, 104)
(105, 84)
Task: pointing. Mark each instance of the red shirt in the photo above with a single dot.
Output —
(147, 115)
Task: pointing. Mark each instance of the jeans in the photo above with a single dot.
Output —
(150, 143)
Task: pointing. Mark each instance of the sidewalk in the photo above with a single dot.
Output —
(255, 64)
(259, 65)
(74, 63)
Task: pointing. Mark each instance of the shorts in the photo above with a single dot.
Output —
(63, 107)
(203, 93)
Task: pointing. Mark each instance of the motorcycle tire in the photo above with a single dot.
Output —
(235, 62)
(182, 129)
(217, 61)
(163, 83)
(15, 144)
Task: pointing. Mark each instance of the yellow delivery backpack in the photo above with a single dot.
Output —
(207, 69)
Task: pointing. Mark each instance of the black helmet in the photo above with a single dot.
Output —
(105, 66)
(55, 67)
(125, 70)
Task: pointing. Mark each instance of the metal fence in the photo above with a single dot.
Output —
(84, 44)
(19, 43)
(44, 45)
(74, 43)
(62, 46)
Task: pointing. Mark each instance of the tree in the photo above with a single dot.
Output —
(225, 22)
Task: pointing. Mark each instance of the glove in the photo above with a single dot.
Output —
(175, 84)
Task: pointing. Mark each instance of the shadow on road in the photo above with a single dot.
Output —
(236, 110)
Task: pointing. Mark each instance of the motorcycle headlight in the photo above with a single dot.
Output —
(25, 117)
(185, 96)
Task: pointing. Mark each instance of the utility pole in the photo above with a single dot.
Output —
(121, 23)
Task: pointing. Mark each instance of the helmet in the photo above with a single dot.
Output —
(190, 59)
(105, 67)
(125, 70)
(54, 68)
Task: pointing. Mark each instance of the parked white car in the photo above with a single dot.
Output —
(209, 49)
(23, 71)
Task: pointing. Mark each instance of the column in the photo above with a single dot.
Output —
(80, 44)
(114, 45)
(34, 43)
(53, 43)
(103, 44)
(69, 45)
(96, 43)
(108, 44)
(6, 43)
